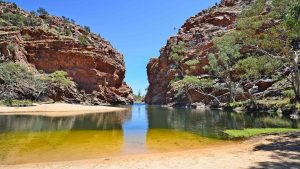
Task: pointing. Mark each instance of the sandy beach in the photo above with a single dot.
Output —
(57, 110)
(272, 151)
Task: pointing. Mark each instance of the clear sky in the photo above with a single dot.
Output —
(137, 28)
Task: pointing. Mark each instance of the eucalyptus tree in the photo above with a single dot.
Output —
(222, 62)
(177, 55)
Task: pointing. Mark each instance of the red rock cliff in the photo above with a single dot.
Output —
(197, 34)
(52, 43)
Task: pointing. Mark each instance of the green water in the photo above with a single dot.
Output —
(141, 129)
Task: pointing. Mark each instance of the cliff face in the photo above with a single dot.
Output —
(197, 34)
(48, 43)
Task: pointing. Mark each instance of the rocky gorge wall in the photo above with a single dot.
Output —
(52, 43)
(197, 34)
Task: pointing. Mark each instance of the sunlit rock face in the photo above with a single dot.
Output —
(197, 34)
(52, 43)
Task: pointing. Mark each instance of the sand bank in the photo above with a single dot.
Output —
(57, 110)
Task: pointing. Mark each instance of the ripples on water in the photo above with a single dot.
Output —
(141, 129)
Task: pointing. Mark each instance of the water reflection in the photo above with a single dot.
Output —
(211, 123)
(102, 121)
(141, 129)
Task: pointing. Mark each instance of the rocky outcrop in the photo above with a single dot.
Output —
(49, 43)
(197, 34)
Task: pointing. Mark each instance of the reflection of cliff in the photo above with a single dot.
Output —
(101, 121)
(205, 123)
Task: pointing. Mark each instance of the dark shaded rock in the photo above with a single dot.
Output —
(264, 84)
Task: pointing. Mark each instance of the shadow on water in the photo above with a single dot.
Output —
(140, 129)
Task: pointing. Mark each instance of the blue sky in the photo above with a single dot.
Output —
(137, 28)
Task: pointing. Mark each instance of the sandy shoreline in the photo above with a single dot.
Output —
(273, 151)
(57, 110)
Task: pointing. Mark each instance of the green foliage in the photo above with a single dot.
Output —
(83, 40)
(72, 21)
(17, 74)
(177, 52)
(17, 19)
(42, 11)
(65, 19)
(292, 19)
(193, 80)
(288, 93)
(255, 67)
(14, 5)
(247, 133)
(59, 78)
(33, 13)
(192, 63)
(68, 32)
(228, 53)
(87, 28)
(250, 32)
(27, 37)
(176, 79)
(48, 19)
(16, 103)
(255, 9)
(280, 8)
(237, 104)
(11, 47)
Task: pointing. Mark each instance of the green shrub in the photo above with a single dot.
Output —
(87, 28)
(27, 37)
(237, 104)
(33, 13)
(83, 40)
(68, 32)
(42, 11)
(18, 20)
(17, 103)
(192, 63)
(197, 82)
(256, 8)
(177, 52)
(48, 19)
(15, 19)
(11, 47)
(18, 75)
(176, 79)
(288, 93)
(258, 66)
(59, 78)
(14, 5)
(65, 19)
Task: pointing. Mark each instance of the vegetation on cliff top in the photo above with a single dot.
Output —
(41, 18)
